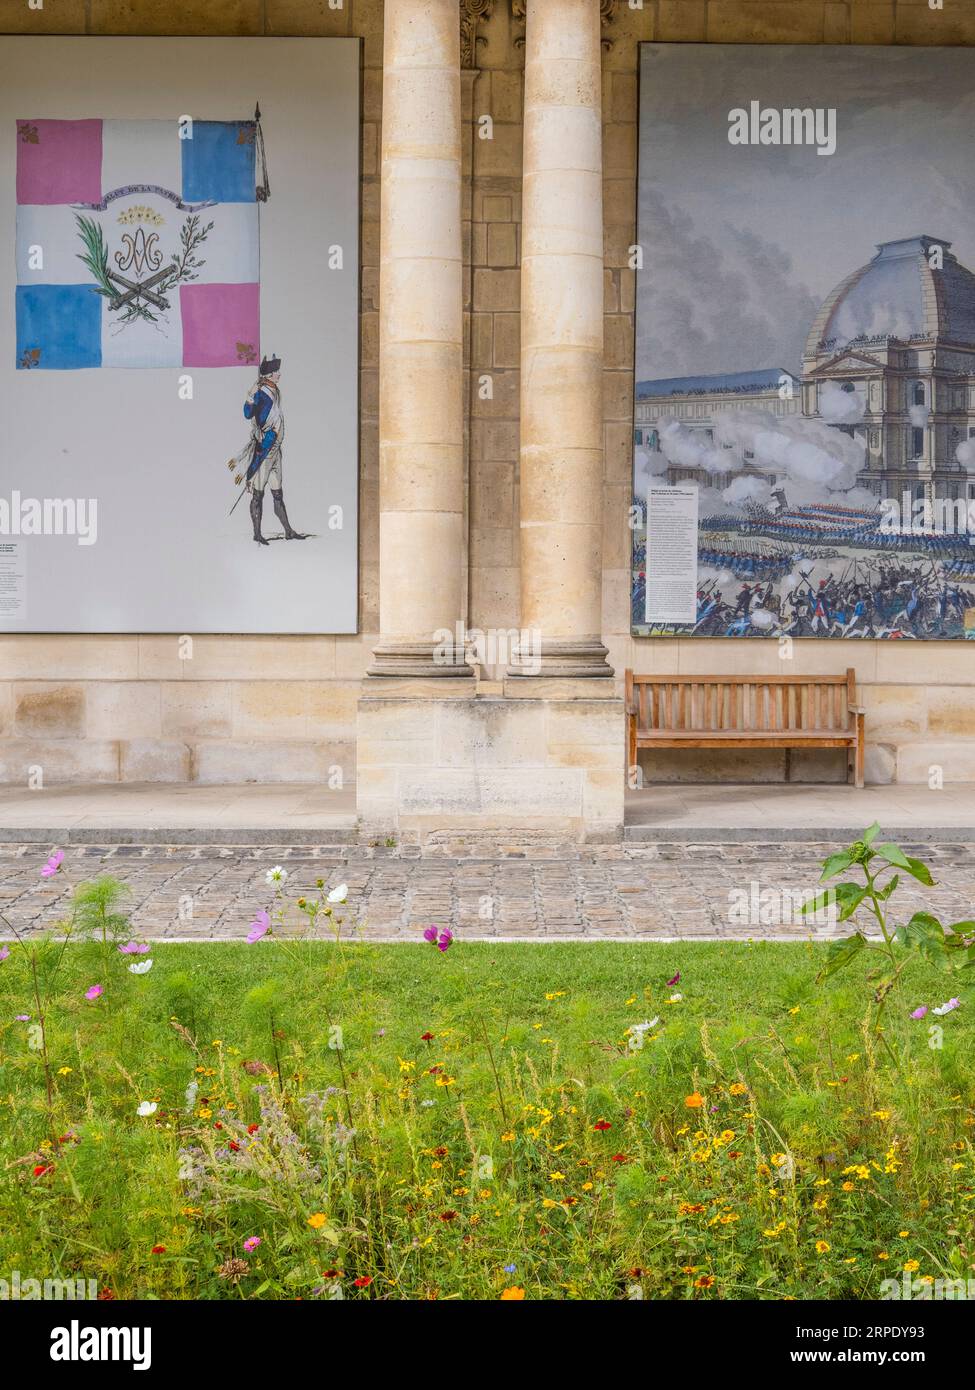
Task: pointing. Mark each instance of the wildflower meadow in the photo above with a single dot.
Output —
(303, 1114)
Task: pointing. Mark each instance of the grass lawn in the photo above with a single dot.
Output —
(400, 1122)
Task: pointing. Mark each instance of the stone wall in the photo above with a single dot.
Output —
(284, 708)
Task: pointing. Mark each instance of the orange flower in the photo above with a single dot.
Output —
(694, 1101)
(512, 1294)
(705, 1281)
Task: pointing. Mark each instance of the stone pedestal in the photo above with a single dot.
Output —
(549, 760)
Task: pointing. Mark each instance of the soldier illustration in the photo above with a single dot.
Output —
(260, 461)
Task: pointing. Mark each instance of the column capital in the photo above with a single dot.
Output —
(607, 13)
(472, 12)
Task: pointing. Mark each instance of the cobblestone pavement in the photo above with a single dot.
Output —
(533, 890)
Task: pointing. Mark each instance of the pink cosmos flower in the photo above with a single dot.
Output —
(446, 937)
(430, 934)
(53, 864)
(94, 992)
(4, 952)
(134, 948)
(920, 1012)
(260, 926)
(251, 1243)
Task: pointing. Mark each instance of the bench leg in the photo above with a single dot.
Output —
(859, 750)
(631, 755)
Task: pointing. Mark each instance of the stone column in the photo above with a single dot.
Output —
(562, 343)
(421, 437)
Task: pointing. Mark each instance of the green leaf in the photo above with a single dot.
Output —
(924, 927)
(870, 835)
(962, 928)
(841, 953)
(845, 897)
(894, 855)
(920, 871)
(835, 864)
(884, 893)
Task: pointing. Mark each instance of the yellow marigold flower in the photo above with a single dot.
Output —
(778, 1160)
(508, 1138)
(549, 1202)
(405, 1066)
(64, 1071)
(587, 1187)
(880, 1115)
(849, 1186)
(822, 1246)
(883, 1255)
(512, 1295)
(820, 1204)
(738, 1088)
(317, 1221)
(556, 1177)
(910, 1266)
(903, 1233)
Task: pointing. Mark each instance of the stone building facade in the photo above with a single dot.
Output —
(480, 530)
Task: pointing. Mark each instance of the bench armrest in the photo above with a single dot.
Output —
(857, 709)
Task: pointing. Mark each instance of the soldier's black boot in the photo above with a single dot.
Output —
(281, 512)
(257, 507)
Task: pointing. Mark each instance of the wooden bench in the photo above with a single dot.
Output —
(746, 712)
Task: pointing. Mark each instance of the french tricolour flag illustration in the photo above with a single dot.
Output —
(136, 248)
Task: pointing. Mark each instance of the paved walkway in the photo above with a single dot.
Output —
(313, 814)
(481, 889)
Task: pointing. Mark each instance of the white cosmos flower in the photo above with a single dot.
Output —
(276, 875)
(191, 1092)
(142, 968)
(339, 894)
(147, 1107)
(675, 999)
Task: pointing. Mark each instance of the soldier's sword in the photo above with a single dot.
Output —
(245, 487)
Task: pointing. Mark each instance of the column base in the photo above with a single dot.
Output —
(428, 660)
(428, 766)
(572, 657)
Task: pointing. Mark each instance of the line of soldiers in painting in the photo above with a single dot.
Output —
(893, 600)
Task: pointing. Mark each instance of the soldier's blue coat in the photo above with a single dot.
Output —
(259, 407)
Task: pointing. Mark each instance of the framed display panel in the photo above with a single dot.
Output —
(180, 226)
(804, 403)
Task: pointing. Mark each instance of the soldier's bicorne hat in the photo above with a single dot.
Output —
(270, 365)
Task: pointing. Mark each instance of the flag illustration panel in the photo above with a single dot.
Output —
(137, 244)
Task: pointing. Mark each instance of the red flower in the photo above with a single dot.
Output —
(426, 1037)
(41, 1168)
(234, 1145)
(105, 1296)
(363, 1281)
(602, 1124)
(441, 1151)
(620, 1158)
(218, 1124)
(159, 1249)
(331, 1273)
(447, 1215)
(252, 1129)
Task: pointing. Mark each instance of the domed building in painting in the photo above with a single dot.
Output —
(900, 334)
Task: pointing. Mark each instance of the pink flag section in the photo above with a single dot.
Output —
(59, 161)
(221, 324)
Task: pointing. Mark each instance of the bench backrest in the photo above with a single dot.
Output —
(756, 704)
